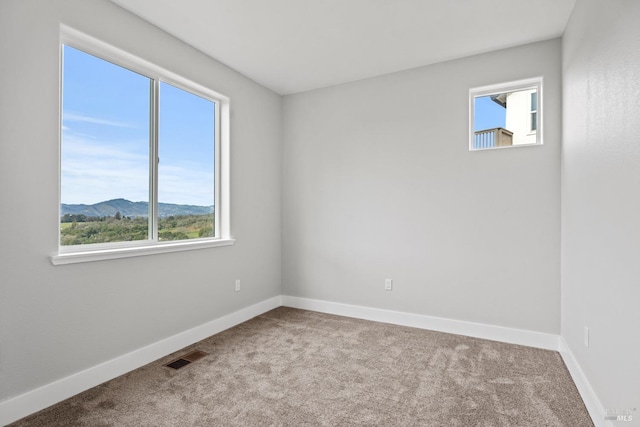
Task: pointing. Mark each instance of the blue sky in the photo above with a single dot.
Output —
(488, 114)
(105, 136)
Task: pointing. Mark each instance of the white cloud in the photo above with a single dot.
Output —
(75, 117)
(185, 185)
(94, 171)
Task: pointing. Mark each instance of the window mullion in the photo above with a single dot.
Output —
(153, 160)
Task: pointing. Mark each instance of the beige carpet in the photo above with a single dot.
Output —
(293, 367)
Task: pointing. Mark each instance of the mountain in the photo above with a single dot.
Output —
(132, 209)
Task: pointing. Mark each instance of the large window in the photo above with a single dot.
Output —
(505, 115)
(141, 159)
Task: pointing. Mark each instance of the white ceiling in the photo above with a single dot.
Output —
(292, 46)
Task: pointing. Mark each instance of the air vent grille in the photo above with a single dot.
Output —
(186, 359)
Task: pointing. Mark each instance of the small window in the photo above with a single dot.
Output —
(505, 115)
(140, 156)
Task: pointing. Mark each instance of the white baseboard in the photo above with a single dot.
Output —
(591, 401)
(459, 327)
(20, 406)
(478, 330)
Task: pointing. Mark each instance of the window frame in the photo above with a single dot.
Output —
(100, 251)
(512, 86)
(533, 113)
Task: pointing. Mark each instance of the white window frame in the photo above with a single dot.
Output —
(532, 112)
(222, 227)
(513, 86)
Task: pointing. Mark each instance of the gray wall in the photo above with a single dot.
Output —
(378, 183)
(601, 197)
(55, 321)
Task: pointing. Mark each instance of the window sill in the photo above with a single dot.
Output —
(104, 254)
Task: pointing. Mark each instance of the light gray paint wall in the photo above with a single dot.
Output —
(601, 197)
(378, 183)
(55, 321)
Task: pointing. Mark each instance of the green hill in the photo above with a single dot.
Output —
(132, 209)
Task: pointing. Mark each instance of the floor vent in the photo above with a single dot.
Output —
(186, 359)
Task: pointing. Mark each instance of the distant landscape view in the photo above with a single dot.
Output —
(107, 149)
(121, 220)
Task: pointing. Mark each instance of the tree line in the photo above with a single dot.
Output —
(86, 218)
(79, 229)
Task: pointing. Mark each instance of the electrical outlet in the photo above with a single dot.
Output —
(237, 285)
(388, 284)
(586, 336)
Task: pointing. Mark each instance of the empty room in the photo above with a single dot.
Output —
(330, 212)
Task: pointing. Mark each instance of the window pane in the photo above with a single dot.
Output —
(504, 119)
(534, 101)
(105, 151)
(186, 167)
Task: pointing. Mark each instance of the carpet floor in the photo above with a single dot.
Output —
(292, 367)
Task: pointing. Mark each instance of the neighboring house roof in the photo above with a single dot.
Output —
(500, 99)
